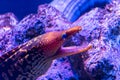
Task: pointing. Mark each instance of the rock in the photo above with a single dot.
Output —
(102, 29)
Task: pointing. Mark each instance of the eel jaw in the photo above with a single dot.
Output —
(52, 41)
(67, 51)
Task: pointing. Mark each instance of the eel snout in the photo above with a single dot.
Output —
(67, 51)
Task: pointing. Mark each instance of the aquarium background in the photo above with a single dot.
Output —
(21, 8)
(100, 22)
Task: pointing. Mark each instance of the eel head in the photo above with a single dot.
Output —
(52, 43)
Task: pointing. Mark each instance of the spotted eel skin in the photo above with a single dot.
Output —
(33, 58)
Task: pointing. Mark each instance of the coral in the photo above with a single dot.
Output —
(7, 22)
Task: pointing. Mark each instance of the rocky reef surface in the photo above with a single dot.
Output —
(101, 27)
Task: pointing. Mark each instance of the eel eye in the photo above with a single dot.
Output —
(64, 36)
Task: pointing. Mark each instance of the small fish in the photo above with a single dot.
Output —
(33, 58)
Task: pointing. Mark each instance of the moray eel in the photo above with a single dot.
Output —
(33, 58)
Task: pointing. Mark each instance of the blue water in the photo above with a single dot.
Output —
(21, 8)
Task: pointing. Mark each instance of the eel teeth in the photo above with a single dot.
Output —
(67, 51)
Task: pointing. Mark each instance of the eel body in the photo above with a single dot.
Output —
(33, 58)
